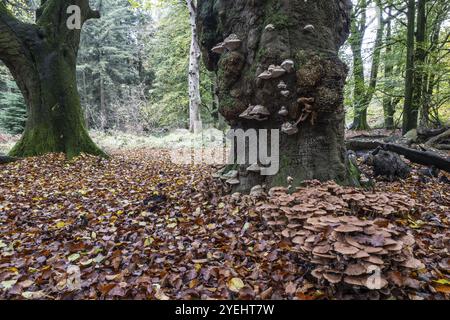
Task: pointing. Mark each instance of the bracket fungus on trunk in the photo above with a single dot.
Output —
(282, 85)
(288, 65)
(232, 42)
(289, 128)
(309, 28)
(219, 48)
(284, 112)
(258, 112)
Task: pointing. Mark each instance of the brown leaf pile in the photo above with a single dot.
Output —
(137, 226)
(330, 227)
(317, 198)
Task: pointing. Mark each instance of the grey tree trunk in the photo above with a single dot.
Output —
(310, 34)
(195, 122)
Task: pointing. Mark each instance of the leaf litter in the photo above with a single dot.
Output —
(137, 226)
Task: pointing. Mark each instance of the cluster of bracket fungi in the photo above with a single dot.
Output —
(262, 113)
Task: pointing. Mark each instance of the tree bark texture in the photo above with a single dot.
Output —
(195, 122)
(310, 34)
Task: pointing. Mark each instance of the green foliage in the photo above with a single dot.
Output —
(391, 86)
(12, 104)
(112, 75)
(168, 104)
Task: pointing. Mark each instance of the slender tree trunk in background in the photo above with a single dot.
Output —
(310, 34)
(420, 57)
(370, 91)
(358, 30)
(410, 114)
(103, 119)
(195, 122)
(42, 60)
(429, 75)
(388, 108)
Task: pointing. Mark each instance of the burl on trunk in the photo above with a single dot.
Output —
(281, 56)
(42, 59)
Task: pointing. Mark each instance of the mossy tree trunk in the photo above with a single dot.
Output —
(42, 59)
(310, 34)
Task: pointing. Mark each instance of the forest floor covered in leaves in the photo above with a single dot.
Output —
(137, 226)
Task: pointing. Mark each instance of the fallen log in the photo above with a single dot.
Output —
(426, 158)
(6, 159)
(442, 146)
(359, 145)
(439, 137)
(425, 134)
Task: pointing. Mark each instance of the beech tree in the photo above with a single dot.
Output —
(42, 59)
(278, 68)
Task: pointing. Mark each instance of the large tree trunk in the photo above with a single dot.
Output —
(195, 122)
(309, 33)
(42, 59)
(410, 114)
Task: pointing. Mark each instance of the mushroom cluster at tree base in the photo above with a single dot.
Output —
(340, 233)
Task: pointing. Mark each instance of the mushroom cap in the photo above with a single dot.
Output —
(321, 249)
(232, 42)
(332, 277)
(306, 100)
(270, 27)
(246, 113)
(257, 191)
(283, 111)
(355, 270)
(344, 248)
(259, 110)
(289, 128)
(219, 48)
(265, 75)
(375, 283)
(282, 85)
(285, 93)
(254, 168)
(309, 28)
(374, 260)
(288, 65)
(233, 181)
(276, 71)
(346, 228)
(355, 280)
(230, 174)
